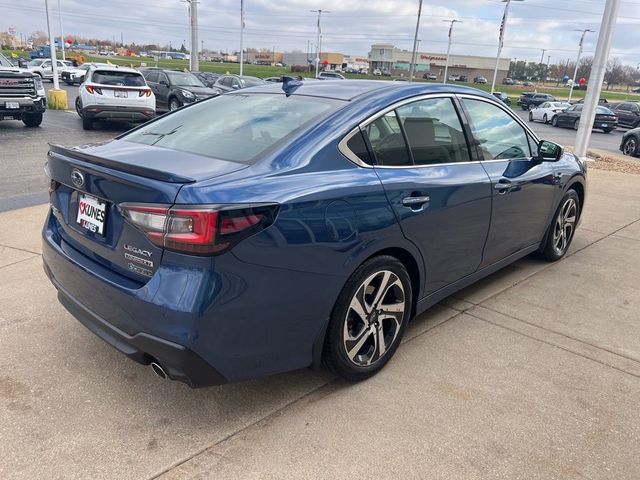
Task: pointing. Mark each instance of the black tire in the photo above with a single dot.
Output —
(87, 124)
(545, 120)
(174, 104)
(607, 130)
(32, 120)
(550, 250)
(78, 107)
(576, 124)
(525, 107)
(370, 325)
(554, 121)
(530, 116)
(630, 146)
(69, 83)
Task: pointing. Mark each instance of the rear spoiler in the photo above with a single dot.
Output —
(59, 150)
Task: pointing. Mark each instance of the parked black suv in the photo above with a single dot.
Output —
(529, 100)
(174, 88)
(628, 113)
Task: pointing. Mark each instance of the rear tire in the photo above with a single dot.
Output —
(562, 228)
(576, 124)
(32, 120)
(545, 120)
(368, 319)
(531, 116)
(607, 130)
(630, 146)
(554, 121)
(87, 123)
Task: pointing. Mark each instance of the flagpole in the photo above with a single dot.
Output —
(503, 27)
(241, 36)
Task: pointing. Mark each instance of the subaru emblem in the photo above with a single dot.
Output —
(77, 178)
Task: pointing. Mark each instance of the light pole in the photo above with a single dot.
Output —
(318, 40)
(52, 47)
(241, 36)
(412, 67)
(193, 31)
(596, 77)
(575, 72)
(61, 32)
(446, 65)
(503, 27)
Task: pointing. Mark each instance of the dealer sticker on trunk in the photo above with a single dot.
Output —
(91, 213)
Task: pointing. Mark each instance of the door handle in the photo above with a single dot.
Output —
(502, 186)
(415, 201)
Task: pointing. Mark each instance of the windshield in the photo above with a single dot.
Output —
(234, 127)
(36, 63)
(250, 81)
(184, 80)
(120, 79)
(4, 61)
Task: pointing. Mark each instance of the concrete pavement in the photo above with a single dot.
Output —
(532, 373)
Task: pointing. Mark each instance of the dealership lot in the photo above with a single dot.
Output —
(532, 373)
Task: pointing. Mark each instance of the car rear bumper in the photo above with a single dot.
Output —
(109, 112)
(605, 124)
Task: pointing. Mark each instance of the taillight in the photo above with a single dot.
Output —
(199, 229)
(91, 89)
(146, 92)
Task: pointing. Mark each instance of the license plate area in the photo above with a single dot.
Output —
(12, 105)
(120, 94)
(92, 213)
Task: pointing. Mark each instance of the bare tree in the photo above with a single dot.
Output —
(39, 38)
(614, 74)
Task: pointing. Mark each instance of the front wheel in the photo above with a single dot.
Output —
(174, 104)
(630, 146)
(369, 319)
(554, 121)
(576, 124)
(607, 130)
(545, 119)
(562, 228)
(531, 116)
(32, 120)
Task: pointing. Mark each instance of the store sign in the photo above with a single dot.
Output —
(433, 57)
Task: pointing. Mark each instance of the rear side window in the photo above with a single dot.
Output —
(434, 132)
(387, 142)
(120, 79)
(152, 77)
(237, 127)
(497, 134)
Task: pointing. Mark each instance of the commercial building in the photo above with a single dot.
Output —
(328, 60)
(264, 57)
(389, 59)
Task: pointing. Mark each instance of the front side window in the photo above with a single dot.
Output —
(496, 133)
(434, 132)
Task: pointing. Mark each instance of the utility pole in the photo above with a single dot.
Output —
(61, 32)
(194, 65)
(596, 77)
(503, 27)
(575, 72)
(412, 67)
(319, 38)
(446, 65)
(241, 37)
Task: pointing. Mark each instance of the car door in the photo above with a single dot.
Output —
(523, 187)
(625, 116)
(538, 113)
(162, 97)
(442, 198)
(47, 69)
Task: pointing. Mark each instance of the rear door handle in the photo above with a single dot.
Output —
(502, 186)
(415, 201)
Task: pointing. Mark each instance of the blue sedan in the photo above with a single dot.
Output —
(267, 230)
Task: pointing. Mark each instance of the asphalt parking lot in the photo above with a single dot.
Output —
(532, 373)
(24, 150)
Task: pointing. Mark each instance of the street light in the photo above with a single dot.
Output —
(412, 67)
(575, 72)
(193, 31)
(241, 36)
(446, 65)
(319, 39)
(503, 27)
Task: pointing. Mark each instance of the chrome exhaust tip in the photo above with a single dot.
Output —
(158, 370)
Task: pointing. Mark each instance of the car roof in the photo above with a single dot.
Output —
(115, 68)
(351, 89)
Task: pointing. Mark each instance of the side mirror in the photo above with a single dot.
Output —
(549, 151)
(235, 86)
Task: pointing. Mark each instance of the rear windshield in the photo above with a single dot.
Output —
(120, 79)
(237, 127)
(250, 81)
(604, 111)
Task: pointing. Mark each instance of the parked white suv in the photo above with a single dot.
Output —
(43, 67)
(331, 76)
(72, 75)
(114, 93)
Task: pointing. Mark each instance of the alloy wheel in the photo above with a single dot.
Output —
(374, 318)
(630, 146)
(564, 226)
(576, 124)
(174, 104)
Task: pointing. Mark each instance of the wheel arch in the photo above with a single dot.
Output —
(577, 185)
(416, 276)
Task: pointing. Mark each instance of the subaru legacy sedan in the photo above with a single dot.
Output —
(265, 230)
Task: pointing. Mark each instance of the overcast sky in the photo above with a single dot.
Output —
(351, 27)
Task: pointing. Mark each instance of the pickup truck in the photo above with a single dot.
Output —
(22, 94)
